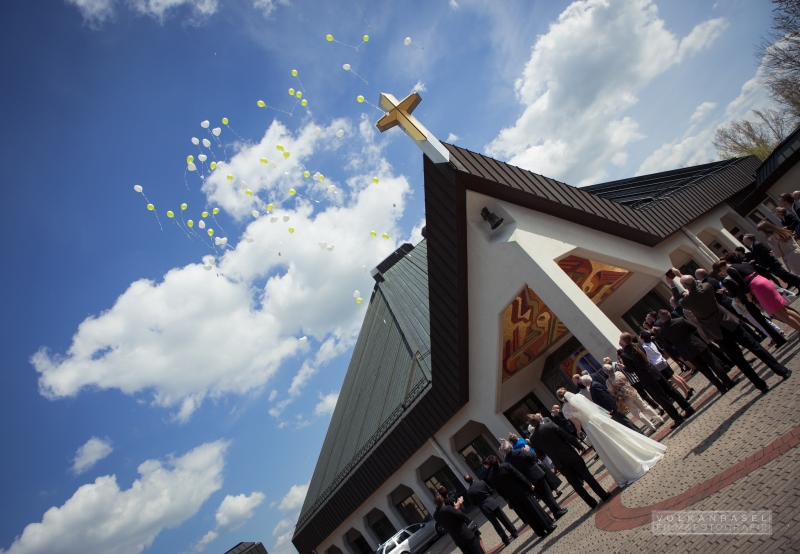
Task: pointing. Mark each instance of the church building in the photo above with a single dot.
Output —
(520, 281)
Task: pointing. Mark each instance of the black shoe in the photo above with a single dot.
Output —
(689, 394)
(723, 392)
(735, 382)
(688, 413)
(765, 390)
(507, 542)
(677, 424)
(661, 412)
(787, 374)
(514, 537)
(561, 513)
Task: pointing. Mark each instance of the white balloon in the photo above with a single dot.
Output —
(207, 143)
(331, 188)
(211, 260)
(255, 213)
(223, 240)
(201, 224)
(204, 124)
(363, 269)
(407, 41)
(318, 131)
(202, 157)
(330, 248)
(273, 219)
(191, 167)
(346, 67)
(195, 141)
(285, 218)
(340, 133)
(273, 165)
(356, 294)
(323, 243)
(248, 238)
(137, 188)
(217, 241)
(243, 185)
(216, 131)
(303, 340)
(208, 267)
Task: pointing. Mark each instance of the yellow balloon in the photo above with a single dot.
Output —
(298, 94)
(151, 207)
(286, 155)
(230, 177)
(261, 104)
(270, 207)
(366, 38)
(359, 300)
(375, 180)
(360, 98)
(291, 92)
(279, 147)
(224, 120)
(264, 161)
(385, 236)
(184, 206)
(321, 177)
(213, 165)
(248, 192)
(294, 73)
(170, 214)
(304, 102)
(204, 214)
(329, 38)
(373, 233)
(210, 232)
(215, 211)
(292, 192)
(291, 230)
(189, 159)
(190, 223)
(306, 174)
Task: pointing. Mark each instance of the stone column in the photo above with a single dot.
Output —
(387, 508)
(706, 256)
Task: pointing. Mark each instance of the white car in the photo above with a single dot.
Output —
(412, 539)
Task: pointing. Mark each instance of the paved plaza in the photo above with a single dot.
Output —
(737, 453)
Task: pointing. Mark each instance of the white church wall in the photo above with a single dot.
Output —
(790, 182)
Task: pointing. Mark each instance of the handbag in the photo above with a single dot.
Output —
(622, 408)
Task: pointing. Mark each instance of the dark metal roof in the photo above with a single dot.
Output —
(646, 190)
(248, 548)
(410, 294)
(785, 156)
(648, 225)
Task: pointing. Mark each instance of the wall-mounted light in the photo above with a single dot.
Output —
(494, 221)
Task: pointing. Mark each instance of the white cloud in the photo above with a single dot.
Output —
(201, 334)
(94, 12)
(583, 74)
(702, 111)
(232, 513)
(90, 453)
(157, 9)
(327, 403)
(452, 138)
(290, 506)
(102, 518)
(419, 87)
(694, 146)
(268, 6)
(454, 4)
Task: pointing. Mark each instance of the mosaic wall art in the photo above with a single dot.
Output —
(530, 326)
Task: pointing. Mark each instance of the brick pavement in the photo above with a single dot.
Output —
(737, 453)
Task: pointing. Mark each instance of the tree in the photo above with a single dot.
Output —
(752, 138)
(779, 53)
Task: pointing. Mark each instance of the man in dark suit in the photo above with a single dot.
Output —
(550, 440)
(456, 523)
(525, 462)
(766, 262)
(558, 418)
(480, 494)
(682, 334)
(715, 323)
(599, 395)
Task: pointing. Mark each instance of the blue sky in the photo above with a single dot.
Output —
(150, 404)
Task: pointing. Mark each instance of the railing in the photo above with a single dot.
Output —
(416, 391)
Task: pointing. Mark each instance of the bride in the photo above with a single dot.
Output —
(626, 454)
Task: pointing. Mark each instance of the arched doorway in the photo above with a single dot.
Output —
(380, 525)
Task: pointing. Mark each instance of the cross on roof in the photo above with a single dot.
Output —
(399, 113)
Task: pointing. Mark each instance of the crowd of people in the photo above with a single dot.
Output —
(713, 318)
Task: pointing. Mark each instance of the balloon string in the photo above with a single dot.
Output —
(374, 106)
(360, 77)
(182, 229)
(185, 182)
(276, 109)
(218, 225)
(306, 197)
(158, 219)
(186, 228)
(348, 45)
(293, 107)
(362, 14)
(235, 133)
(301, 84)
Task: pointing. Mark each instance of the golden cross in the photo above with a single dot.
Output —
(399, 113)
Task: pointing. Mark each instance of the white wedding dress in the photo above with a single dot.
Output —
(626, 454)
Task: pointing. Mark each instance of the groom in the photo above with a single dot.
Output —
(550, 440)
